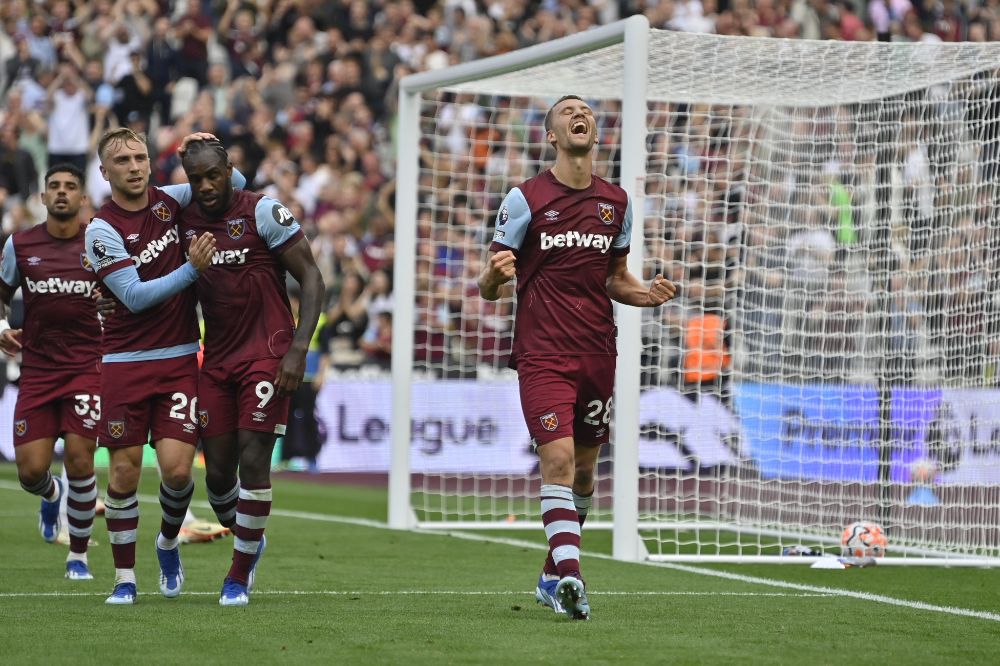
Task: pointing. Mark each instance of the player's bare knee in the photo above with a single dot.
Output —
(79, 463)
(123, 476)
(30, 473)
(254, 470)
(219, 480)
(557, 466)
(584, 479)
(176, 476)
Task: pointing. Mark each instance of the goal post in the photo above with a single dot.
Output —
(631, 84)
(828, 210)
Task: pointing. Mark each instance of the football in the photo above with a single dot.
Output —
(863, 539)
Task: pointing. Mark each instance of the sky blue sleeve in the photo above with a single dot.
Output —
(105, 249)
(512, 220)
(624, 237)
(104, 245)
(138, 295)
(8, 268)
(275, 223)
(181, 193)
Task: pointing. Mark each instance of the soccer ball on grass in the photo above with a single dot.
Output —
(863, 539)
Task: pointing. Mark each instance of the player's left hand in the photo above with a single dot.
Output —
(290, 372)
(661, 290)
(105, 305)
(194, 136)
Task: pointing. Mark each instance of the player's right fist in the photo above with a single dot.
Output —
(499, 271)
(201, 251)
(502, 266)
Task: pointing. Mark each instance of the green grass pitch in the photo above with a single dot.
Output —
(335, 587)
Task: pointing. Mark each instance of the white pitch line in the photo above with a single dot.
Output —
(752, 580)
(756, 580)
(422, 593)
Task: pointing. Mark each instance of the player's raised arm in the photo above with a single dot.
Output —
(626, 288)
(181, 193)
(510, 227)
(114, 266)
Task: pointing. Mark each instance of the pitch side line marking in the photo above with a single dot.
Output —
(753, 580)
(420, 593)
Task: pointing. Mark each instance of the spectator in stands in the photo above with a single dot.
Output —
(193, 29)
(18, 173)
(69, 100)
(23, 64)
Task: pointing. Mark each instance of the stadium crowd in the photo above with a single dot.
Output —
(303, 93)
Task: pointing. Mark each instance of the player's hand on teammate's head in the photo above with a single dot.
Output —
(661, 290)
(194, 136)
(201, 251)
(10, 341)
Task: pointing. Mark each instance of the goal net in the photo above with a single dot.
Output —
(829, 212)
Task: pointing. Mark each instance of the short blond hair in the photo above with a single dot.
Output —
(118, 135)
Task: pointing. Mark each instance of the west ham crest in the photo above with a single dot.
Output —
(235, 228)
(21, 427)
(161, 211)
(85, 262)
(116, 429)
(549, 421)
(606, 212)
(203, 418)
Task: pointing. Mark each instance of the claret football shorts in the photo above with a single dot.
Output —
(148, 401)
(241, 398)
(50, 404)
(567, 396)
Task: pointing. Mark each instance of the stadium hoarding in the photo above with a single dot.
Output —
(820, 432)
(803, 432)
(476, 426)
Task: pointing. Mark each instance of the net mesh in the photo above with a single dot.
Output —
(829, 210)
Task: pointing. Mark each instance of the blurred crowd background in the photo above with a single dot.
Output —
(303, 93)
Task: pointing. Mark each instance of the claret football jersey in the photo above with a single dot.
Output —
(243, 296)
(61, 329)
(148, 240)
(563, 240)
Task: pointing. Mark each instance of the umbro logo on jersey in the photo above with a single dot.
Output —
(131, 238)
(161, 211)
(552, 214)
(34, 261)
